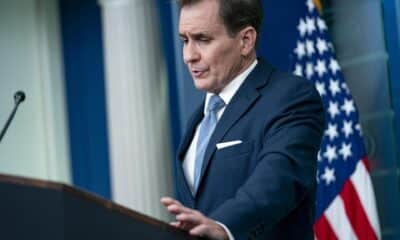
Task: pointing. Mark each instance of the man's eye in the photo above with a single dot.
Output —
(184, 40)
(205, 40)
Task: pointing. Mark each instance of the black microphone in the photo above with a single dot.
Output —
(19, 97)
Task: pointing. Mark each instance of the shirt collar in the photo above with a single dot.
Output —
(229, 90)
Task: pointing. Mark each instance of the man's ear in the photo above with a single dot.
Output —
(248, 36)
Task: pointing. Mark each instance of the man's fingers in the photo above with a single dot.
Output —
(178, 224)
(174, 206)
(192, 218)
(180, 209)
(187, 219)
(193, 221)
(209, 230)
(182, 225)
(201, 230)
(166, 201)
(175, 224)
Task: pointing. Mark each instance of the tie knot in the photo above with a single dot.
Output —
(215, 103)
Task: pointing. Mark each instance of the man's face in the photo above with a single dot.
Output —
(213, 57)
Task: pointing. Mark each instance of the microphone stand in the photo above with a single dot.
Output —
(19, 97)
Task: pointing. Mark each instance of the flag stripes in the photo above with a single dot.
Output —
(363, 186)
(337, 217)
(355, 212)
(323, 230)
(352, 217)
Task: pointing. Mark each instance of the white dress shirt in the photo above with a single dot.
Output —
(226, 94)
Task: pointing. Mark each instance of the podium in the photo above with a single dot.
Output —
(36, 209)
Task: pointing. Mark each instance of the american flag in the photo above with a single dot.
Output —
(346, 206)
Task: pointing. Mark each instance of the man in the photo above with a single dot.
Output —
(246, 166)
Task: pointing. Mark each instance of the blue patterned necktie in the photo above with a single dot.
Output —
(207, 126)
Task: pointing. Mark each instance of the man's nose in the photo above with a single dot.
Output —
(190, 53)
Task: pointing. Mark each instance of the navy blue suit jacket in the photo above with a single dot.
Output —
(263, 188)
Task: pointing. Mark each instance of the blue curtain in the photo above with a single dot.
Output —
(84, 81)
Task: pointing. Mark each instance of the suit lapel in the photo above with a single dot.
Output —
(189, 133)
(238, 106)
(187, 139)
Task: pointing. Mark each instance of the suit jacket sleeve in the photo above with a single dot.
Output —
(285, 173)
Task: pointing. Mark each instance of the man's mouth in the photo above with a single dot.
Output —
(198, 73)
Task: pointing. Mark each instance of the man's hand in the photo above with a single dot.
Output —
(193, 221)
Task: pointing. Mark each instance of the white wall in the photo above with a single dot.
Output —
(36, 144)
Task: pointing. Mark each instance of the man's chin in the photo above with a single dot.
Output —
(208, 89)
(201, 85)
(204, 85)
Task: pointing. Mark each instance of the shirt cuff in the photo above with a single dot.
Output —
(230, 236)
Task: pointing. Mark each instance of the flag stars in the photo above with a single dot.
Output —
(321, 25)
(310, 5)
(359, 129)
(332, 131)
(310, 22)
(302, 27)
(300, 50)
(333, 109)
(330, 45)
(347, 128)
(322, 46)
(298, 70)
(310, 47)
(320, 86)
(334, 87)
(320, 68)
(329, 175)
(309, 70)
(348, 106)
(319, 157)
(345, 151)
(330, 153)
(334, 66)
(346, 88)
